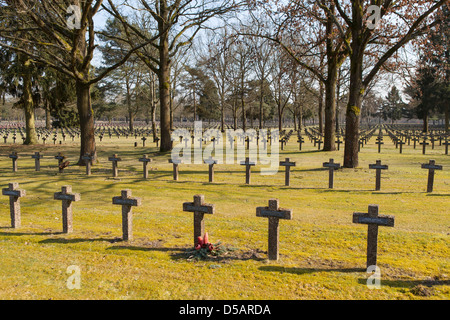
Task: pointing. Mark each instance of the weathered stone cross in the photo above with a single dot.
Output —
(88, 160)
(431, 166)
(60, 159)
(199, 208)
(248, 165)
(373, 220)
(67, 197)
(114, 159)
(37, 161)
(274, 213)
(424, 144)
(287, 175)
(446, 143)
(175, 163)
(331, 167)
(378, 167)
(127, 202)
(145, 160)
(14, 194)
(211, 162)
(14, 156)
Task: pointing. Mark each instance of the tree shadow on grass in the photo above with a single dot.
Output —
(79, 240)
(409, 284)
(308, 270)
(27, 233)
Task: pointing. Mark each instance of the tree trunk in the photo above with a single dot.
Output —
(261, 101)
(195, 105)
(130, 111)
(321, 108)
(330, 108)
(28, 105)
(48, 117)
(446, 113)
(425, 122)
(353, 114)
(222, 113)
(164, 90)
(86, 115)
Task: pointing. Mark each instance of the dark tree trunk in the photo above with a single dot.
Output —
(321, 108)
(86, 115)
(164, 91)
(27, 98)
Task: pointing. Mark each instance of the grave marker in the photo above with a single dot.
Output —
(287, 176)
(175, 163)
(274, 213)
(378, 167)
(14, 156)
(67, 198)
(331, 167)
(248, 165)
(60, 157)
(88, 160)
(37, 161)
(431, 166)
(424, 144)
(199, 208)
(14, 194)
(145, 160)
(114, 159)
(373, 220)
(211, 162)
(127, 202)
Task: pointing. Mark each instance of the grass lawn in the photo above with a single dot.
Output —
(322, 253)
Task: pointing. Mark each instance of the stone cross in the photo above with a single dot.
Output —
(127, 202)
(331, 167)
(37, 161)
(401, 143)
(88, 160)
(199, 208)
(431, 166)
(373, 220)
(114, 159)
(338, 141)
(14, 156)
(175, 163)
(60, 159)
(143, 141)
(379, 143)
(415, 140)
(211, 162)
(446, 143)
(424, 145)
(67, 198)
(274, 213)
(248, 165)
(287, 175)
(300, 141)
(14, 194)
(378, 167)
(145, 160)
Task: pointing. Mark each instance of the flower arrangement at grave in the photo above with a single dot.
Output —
(204, 249)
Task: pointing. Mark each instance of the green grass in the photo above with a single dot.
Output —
(322, 253)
